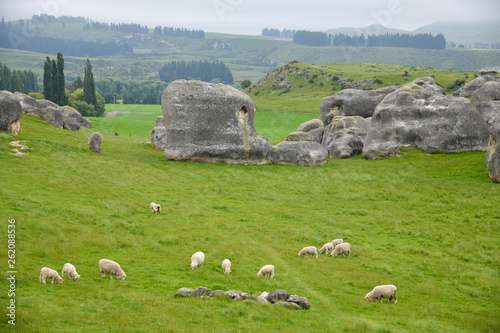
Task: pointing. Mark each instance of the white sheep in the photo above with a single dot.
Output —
(336, 242)
(342, 249)
(197, 259)
(226, 266)
(71, 271)
(312, 250)
(155, 208)
(48, 273)
(267, 270)
(327, 248)
(112, 268)
(386, 291)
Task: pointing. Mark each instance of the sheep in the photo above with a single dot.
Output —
(309, 250)
(226, 266)
(155, 208)
(267, 270)
(48, 273)
(71, 271)
(327, 248)
(112, 268)
(336, 242)
(386, 291)
(197, 259)
(342, 249)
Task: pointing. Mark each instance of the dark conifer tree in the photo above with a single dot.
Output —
(47, 75)
(89, 86)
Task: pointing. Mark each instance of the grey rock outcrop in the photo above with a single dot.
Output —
(469, 88)
(202, 291)
(352, 102)
(315, 128)
(278, 295)
(10, 113)
(211, 123)
(487, 100)
(185, 292)
(344, 136)
(159, 134)
(300, 301)
(416, 116)
(300, 136)
(298, 153)
(94, 143)
(493, 152)
(63, 117)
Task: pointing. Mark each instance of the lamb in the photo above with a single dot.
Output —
(386, 291)
(226, 266)
(267, 270)
(71, 271)
(197, 259)
(155, 208)
(309, 250)
(342, 249)
(112, 268)
(48, 273)
(336, 242)
(327, 248)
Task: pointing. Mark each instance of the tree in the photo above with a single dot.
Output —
(47, 74)
(61, 81)
(89, 86)
(245, 84)
(17, 85)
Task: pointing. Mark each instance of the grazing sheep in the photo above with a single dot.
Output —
(267, 270)
(197, 259)
(387, 291)
(226, 266)
(342, 249)
(309, 250)
(336, 242)
(71, 271)
(112, 268)
(327, 248)
(155, 208)
(48, 273)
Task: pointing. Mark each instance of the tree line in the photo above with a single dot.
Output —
(285, 33)
(131, 28)
(131, 92)
(16, 80)
(418, 41)
(178, 32)
(198, 70)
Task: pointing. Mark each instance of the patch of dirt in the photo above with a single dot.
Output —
(17, 151)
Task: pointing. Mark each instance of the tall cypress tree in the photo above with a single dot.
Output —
(61, 81)
(89, 86)
(54, 93)
(47, 76)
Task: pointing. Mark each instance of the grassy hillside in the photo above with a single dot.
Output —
(426, 223)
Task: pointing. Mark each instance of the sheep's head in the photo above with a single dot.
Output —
(121, 275)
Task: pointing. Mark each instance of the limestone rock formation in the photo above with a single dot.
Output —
(416, 116)
(493, 152)
(300, 136)
(344, 136)
(207, 122)
(94, 143)
(469, 88)
(487, 100)
(298, 153)
(10, 113)
(278, 295)
(159, 134)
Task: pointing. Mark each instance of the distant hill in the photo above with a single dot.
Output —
(374, 29)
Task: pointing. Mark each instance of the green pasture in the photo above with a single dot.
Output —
(428, 224)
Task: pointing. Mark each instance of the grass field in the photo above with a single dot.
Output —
(426, 223)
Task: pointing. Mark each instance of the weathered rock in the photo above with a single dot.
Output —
(233, 295)
(10, 113)
(487, 100)
(94, 142)
(429, 84)
(202, 291)
(493, 152)
(345, 136)
(185, 292)
(298, 153)
(211, 123)
(278, 295)
(352, 102)
(73, 120)
(248, 297)
(288, 304)
(310, 125)
(469, 88)
(414, 116)
(216, 293)
(300, 136)
(300, 301)
(159, 134)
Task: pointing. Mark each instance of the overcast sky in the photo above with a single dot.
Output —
(251, 16)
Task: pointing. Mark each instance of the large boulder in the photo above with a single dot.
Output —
(72, 119)
(344, 136)
(207, 122)
(487, 100)
(159, 134)
(416, 116)
(278, 295)
(493, 152)
(298, 153)
(352, 102)
(10, 113)
(469, 88)
(94, 143)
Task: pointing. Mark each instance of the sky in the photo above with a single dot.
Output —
(249, 17)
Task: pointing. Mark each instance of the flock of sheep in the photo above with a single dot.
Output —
(336, 247)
